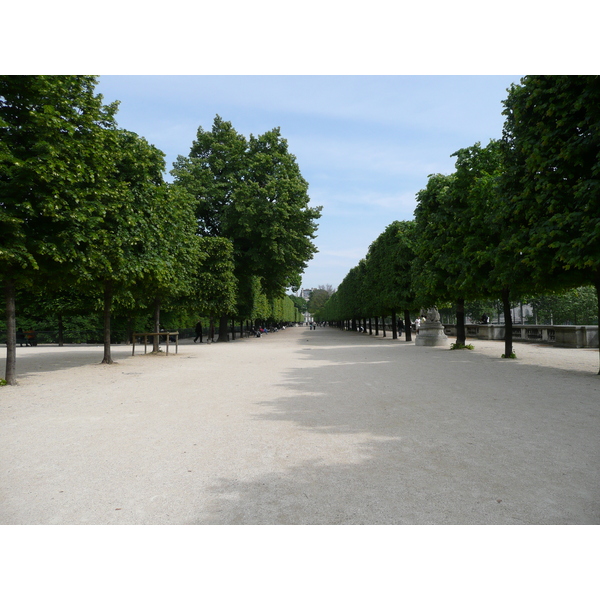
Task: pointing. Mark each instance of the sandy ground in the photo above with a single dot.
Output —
(302, 427)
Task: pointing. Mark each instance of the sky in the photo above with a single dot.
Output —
(365, 143)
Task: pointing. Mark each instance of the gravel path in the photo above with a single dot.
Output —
(302, 427)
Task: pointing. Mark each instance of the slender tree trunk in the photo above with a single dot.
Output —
(383, 326)
(156, 319)
(129, 330)
(370, 326)
(394, 326)
(407, 325)
(107, 359)
(461, 335)
(223, 324)
(508, 323)
(11, 333)
(376, 326)
(61, 330)
(211, 330)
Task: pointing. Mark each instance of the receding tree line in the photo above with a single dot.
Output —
(519, 217)
(89, 224)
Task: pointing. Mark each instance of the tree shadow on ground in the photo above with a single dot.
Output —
(395, 434)
(43, 359)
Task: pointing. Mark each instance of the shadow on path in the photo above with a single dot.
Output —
(398, 434)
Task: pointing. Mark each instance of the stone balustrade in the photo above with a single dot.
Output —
(569, 336)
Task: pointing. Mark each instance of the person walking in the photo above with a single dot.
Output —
(21, 339)
(198, 331)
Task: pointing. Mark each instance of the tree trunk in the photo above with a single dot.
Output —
(11, 334)
(407, 326)
(156, 319)
(376, 325)
(211, 330)
(394, 326)
(508, 337)
(129, 330)
(223, 324)
(61, 330)
(107, 308)
(383, 326)
(461, 336)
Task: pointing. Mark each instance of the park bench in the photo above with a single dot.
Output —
(146, 335)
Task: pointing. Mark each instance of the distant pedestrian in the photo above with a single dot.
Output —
(21, 339)
(198, 331)
(31, 337)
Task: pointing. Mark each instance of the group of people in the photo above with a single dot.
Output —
(26, 337)
(256, 332)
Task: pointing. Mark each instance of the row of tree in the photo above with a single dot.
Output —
(518, 217)
(87, 218)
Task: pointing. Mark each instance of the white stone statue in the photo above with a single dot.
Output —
(433, 316)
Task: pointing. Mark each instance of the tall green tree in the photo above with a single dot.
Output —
(551, 183)
(388, 272)
(438, 265)
(317, 299)
(252, 193)
(215, 286)
(130, 247)
(54, 167)
(461, 229)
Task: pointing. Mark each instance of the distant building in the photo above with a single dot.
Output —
(306, 293)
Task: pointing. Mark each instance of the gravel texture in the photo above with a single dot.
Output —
(302, 427)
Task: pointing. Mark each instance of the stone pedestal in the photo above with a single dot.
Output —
(431, 334)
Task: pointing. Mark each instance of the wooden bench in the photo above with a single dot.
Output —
(146, 335)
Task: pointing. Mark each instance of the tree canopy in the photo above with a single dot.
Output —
(551, 180)
(252, 193)
(54, 170)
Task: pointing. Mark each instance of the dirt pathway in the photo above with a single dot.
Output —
(302, 427)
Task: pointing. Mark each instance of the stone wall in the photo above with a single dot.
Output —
(568, 336)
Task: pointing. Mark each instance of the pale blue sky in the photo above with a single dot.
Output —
(365, 144)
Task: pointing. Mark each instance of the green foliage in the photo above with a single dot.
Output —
(388, 285)
(457, 346)
(317, 300)
(215, 285)
(350, 298)
(431, 219)
(511, 355)
(551, 183)
(251, 192)
(476, 308)
(53, 165)
(577, 306)
(551, 180)
(300, 303)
